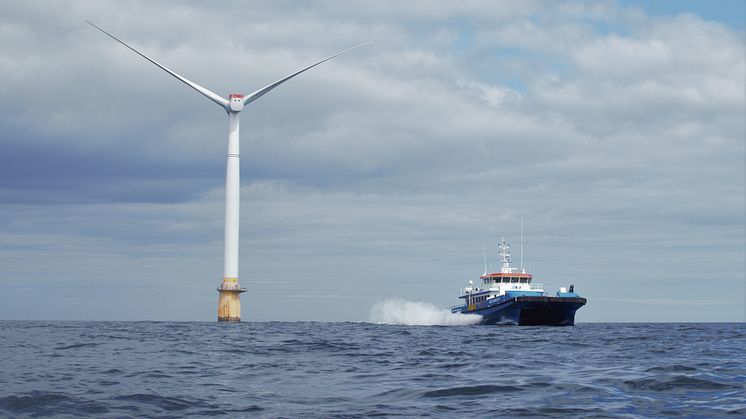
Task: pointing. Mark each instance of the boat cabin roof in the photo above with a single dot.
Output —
(504, 274)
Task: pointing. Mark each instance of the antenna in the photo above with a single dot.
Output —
(522, 270)
(484, 250)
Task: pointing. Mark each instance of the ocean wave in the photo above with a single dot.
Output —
(76, 346)
(471, 390)
(679, 382)
(161, 402)
(672, 368)
(43, 403)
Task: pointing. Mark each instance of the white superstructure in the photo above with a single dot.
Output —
(497, 284)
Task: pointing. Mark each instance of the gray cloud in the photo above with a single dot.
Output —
(618, 136)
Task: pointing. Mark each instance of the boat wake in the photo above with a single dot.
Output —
(417, 313)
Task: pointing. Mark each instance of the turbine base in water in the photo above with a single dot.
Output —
(229, 319)
(229, 303)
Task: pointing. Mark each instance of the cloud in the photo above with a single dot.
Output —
(617, 135)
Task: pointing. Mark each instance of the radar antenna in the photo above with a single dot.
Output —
(504, 256)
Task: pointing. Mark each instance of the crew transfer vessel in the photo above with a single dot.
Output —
(511, 297)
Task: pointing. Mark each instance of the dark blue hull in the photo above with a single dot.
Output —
(532, 311)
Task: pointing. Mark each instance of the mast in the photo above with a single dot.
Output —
(484, 250)
(522, 270)
(504, 256)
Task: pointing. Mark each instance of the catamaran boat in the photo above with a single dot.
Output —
(511, 297)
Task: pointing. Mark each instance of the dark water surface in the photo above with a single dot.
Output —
(138, 369)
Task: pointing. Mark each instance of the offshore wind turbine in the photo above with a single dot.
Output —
(229, 304)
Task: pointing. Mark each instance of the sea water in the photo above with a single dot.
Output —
(308, 369)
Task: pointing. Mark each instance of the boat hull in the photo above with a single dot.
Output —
(532, 311)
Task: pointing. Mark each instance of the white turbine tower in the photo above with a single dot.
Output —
(229, 305)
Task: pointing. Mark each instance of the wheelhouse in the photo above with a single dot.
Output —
(507, 278)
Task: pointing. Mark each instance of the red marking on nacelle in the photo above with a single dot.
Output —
(235, 96)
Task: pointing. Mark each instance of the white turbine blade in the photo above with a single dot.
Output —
(264, 90)
(209, 94)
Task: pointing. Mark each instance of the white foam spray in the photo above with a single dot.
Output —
(417, 313)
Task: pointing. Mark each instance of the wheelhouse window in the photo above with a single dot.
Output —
(524, 280)
(514, 279)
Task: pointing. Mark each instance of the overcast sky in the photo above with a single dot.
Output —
(615, 129)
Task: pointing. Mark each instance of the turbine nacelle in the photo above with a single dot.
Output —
(235, 102)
